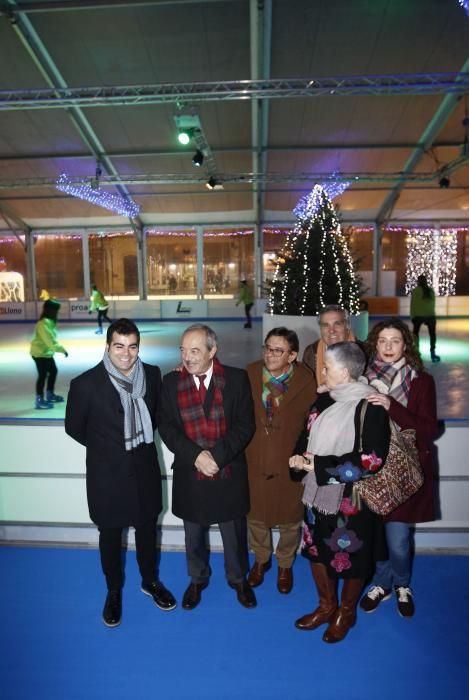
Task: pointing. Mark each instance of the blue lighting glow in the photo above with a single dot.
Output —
(112, 202)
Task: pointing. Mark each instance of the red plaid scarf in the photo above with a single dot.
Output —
(197, 427)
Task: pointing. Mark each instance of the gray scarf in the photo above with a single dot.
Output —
(138, 427)
(333, 433)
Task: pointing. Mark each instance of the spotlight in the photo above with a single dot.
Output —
(213, 184)
(184, 136)
(444, 183)
(198, 158)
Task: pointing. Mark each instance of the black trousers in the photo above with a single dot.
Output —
(46, 368)
(234, 536)
(110, 550)
(247, 309)
(102, 314)
(430, 322)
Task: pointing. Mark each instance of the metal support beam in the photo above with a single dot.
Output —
(51, 74)
(434, 126)
(63, 97)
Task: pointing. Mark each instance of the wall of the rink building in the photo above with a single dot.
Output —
(187, 308)
(43, 491)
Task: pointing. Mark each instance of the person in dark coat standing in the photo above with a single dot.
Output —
(112, 410)
(282, 389)
(206, 421)
(408, 394)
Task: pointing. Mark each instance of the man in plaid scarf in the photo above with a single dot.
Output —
(206, 421)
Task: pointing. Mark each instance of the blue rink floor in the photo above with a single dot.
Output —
(55, 647)
(160, 343)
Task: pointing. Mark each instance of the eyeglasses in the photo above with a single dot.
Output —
(276, 352)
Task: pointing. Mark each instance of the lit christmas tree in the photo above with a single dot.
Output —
(315, 267)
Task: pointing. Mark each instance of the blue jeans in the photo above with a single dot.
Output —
(396, 570)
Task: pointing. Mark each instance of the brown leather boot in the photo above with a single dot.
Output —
(327, 600)
(346, 614)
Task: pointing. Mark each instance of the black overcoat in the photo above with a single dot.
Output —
(123, 488)
(210, 500)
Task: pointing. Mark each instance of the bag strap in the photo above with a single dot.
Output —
(363, 408)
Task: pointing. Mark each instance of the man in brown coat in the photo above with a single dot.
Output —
(283, 390)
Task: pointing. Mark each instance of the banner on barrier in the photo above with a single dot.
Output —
(10, 310)
(80, 309)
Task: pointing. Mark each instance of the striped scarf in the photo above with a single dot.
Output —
(273, 390)
(197, 427)
(392, 378)
(138, 427)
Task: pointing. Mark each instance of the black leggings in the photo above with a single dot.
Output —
(102, 314)
(110, 549)
(430, 322)
(46, 367)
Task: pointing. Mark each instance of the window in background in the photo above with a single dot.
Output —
(228, 258)
(12, 268)
(274, 240)
(171, 263)
(360, 241)
(59, 264)
(113, 263)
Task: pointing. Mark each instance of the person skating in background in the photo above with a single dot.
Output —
(246, 297)
(422, 310)
(99, 304)
(43, 347)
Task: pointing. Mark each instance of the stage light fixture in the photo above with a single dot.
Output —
(444, 183)
(198, 158)
(184, 137)
(213, 184)
(187, 125)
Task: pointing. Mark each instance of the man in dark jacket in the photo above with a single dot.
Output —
(206, 421)
(112, 411)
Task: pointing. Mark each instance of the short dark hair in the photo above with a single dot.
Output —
(290, 336)
(123, 326)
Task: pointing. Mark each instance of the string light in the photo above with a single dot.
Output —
(90, 192)
(465, 5)
(309, 273)
(432, 252)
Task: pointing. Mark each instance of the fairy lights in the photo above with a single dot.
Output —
(93, 194)
(465, 5)
(432, 252)
(315, 267)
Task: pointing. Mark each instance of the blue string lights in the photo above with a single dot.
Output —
(465, 5)
(91, 192)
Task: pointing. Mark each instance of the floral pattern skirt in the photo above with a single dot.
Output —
(348, 543)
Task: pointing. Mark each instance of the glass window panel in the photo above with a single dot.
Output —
(113, 263)
(171, 263)
(274, 240)
(228, 258)
(59, 264)
(12, 268)
(462, 264)
(394, 259)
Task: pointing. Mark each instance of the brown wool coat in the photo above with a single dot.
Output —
(275, 498)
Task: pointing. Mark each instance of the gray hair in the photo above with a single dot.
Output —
(210, 335)
(339, 309)
(348, 355)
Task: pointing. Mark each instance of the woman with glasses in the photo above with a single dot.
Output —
(282, 390)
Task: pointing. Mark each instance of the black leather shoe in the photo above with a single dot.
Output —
(112, 612)
(244, 593)
(193, 595)
(161, 596)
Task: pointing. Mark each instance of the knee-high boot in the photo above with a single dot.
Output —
(346, 614)
(327, 600)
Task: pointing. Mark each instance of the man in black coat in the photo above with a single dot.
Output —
(207, 420)
(112, 410)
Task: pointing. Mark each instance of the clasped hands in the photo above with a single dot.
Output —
(206, 464)
(303, 462)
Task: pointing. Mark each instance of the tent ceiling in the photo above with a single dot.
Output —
(267, 151)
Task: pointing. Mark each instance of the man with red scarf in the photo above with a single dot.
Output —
(207, 420)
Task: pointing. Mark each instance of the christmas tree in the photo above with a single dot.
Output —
(315, 267)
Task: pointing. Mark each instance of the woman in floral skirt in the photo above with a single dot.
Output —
(340, 539)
